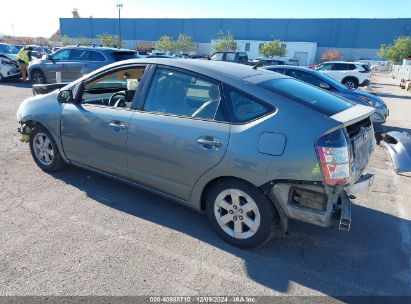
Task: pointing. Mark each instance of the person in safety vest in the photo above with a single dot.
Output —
(24, 57)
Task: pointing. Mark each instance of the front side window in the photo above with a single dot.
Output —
(325, 67)
(177, 93)
(79, 55)
(62, 55)
(243, 108)
(115, 89)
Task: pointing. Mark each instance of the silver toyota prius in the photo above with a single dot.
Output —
(250, 148)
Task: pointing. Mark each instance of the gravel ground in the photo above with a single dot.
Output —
(76, 233)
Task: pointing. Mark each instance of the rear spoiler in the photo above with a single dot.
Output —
(40, 89)
(353, 114)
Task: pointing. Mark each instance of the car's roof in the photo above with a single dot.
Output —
(98, 48)
(214, 69)
(286, 67)
(350, 62)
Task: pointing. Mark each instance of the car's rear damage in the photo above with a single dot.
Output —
(327, 203)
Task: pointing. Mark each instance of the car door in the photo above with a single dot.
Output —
(94, 131)
(77, 64)
(178, 132)
(55, 65)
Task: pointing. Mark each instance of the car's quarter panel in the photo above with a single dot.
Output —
(163, 151)
(89, 136)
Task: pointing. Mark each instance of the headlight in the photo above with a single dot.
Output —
(371, 102)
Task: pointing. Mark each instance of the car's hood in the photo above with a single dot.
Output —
(31, 105)
(10, 56)
(37, 61)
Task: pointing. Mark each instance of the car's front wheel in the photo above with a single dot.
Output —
(241, 213)
(37, 77)
(44, 150)
(350, 83)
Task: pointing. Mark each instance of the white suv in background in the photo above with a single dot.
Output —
(351, 74)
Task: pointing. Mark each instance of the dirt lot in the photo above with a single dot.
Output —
(76, 233)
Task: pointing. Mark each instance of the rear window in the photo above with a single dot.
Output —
(243, 108)
(308, 95)
(124, 55)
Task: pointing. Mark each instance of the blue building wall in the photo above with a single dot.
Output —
(338, 33)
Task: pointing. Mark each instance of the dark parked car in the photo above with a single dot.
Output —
(222, 138)
(265, 61)
(238, 57)
(327, 83)
(73, 62)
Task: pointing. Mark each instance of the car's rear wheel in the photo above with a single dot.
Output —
(241, 213)
(350, 83)
(44, 150)
(37, 77)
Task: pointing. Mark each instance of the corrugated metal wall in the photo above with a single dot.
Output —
(338, 33)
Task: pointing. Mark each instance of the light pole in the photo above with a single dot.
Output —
(119, 6)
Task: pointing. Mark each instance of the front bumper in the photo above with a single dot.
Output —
(380, 115)
(337, 203)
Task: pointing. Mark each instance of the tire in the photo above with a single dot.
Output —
(44, 150)
(226, 204)
(1, 78)
(350, 83)
(37, 77)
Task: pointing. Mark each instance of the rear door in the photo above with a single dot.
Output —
(178, 132)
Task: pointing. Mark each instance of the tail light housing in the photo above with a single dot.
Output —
(334, 158)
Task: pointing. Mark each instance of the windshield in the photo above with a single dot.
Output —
(8, 49)
(307, 95)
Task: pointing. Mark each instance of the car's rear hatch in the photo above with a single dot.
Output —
(360, 137)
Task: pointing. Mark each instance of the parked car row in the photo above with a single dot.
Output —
(324, 81)
(226, 139)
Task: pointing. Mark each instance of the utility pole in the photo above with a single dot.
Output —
(119, 6)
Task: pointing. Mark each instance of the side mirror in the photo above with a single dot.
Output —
(325, 86)
(65, 96)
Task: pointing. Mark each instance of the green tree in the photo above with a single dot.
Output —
(109, 40)
(165, 43)
(65, 40)
(273, 48)
(396, 52)
(225, 42)
(185, 43)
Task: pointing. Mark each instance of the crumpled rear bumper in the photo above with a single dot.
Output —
(336, 208)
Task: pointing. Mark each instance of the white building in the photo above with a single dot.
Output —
(303, 53)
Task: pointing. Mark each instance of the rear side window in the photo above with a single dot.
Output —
(96, 56)
(243, 108)
(124, 55)
(343, 67)
(307, 95)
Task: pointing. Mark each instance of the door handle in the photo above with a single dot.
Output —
(208, 142)
(117, 126)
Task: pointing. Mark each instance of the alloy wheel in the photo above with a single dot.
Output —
(38, 78)
(237, 213)
(43, 148)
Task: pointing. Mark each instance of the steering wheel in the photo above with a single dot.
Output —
(120, 95)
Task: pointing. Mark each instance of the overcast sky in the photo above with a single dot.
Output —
(41, 18)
